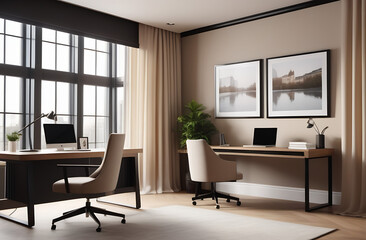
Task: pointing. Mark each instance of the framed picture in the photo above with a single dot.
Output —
(298, 85)
(83, 143)
(238, 90)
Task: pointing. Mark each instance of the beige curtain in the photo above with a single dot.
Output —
(354, 108)
(153, 105)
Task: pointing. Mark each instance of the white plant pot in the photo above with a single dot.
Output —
(12, 146)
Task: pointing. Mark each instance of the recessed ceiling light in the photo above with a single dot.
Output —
(170, 24)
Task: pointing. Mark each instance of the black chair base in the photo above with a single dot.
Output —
(88, 210)
(213, 195)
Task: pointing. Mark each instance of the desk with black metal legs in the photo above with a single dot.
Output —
(30, 175)
(278, 152)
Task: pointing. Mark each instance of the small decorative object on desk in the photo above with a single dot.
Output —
(222, 140)
(83, 143)
(301, 145)
(320, 137)
(12, 141)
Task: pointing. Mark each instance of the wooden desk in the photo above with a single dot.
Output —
(30, 175)
(278, 152)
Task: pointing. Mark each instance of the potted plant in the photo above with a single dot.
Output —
(12, 141)
(195, 124)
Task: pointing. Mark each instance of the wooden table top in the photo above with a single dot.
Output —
(53, 154)
(270, 151)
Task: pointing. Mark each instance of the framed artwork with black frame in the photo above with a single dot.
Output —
(238, 90)
(83, 143)
(298, 85)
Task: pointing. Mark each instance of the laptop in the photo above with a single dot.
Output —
(264, 137)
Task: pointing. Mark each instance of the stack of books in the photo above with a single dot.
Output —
(301, 145)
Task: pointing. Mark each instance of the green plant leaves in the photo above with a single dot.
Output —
(14, 136)
(195, 124)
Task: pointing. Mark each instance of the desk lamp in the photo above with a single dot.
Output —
(51, 115)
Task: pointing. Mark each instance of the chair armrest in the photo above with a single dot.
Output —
(64, 168)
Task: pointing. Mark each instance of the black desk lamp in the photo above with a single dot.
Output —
(51, 115)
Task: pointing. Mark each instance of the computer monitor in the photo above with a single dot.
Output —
(265, 136)
(60, 136)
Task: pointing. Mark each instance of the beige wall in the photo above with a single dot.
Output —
(312, 29)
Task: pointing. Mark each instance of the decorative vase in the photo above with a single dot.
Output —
(320, 141)
(12, 146)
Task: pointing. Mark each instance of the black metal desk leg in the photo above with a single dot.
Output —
(137, 184)
(30, 200)
(330, 190)
(307, 204)
(135, 188)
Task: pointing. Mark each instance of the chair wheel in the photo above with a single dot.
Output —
(238, 203)
(98, 229)
(217, 206)
(228, 200)
(53, 227)
(123, 221)
(194, 203)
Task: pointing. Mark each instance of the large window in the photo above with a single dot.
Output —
(80, 78)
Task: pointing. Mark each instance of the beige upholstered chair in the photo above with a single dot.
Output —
(103, 180)
(206, 166)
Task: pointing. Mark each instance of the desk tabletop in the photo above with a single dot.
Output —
(270, 151)
(53, 154)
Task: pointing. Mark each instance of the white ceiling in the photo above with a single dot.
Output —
(186, 14)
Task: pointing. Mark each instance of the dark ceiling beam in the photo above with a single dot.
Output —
(72, 19)
(258, 16)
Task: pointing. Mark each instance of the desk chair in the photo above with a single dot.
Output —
(206, 166)
(103, 180)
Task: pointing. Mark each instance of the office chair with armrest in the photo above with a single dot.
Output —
(206, 166)
(102, 180)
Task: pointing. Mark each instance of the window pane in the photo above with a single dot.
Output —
(121, 61)
(63, 58)
(1, 25)
(89, 100)
(48, 56)
(1, 48)
(102, 46)
(102, 64)
(2, 134)
(13, 50)
(102, 130)
(102, 101)
(89, 62)
(13, 28)
(89, 129)
(13, 92)
(89, 43)
(63, 38)
(13, 123)
(48, 96)
(48, 35)
(63, 98)
(2, 93)
(120, 109)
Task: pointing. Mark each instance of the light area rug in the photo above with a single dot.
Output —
(164, 223)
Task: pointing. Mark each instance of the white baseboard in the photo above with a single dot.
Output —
(277, 192)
